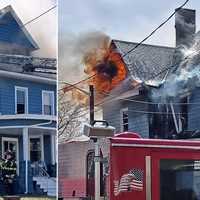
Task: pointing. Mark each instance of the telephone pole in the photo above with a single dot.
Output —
(97, 149)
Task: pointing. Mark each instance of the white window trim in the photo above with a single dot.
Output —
(49, 92)
(121, 118)
(42, 145)
(26, 98)
(9, 139)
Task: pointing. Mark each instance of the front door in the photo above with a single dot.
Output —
(11, 144)
(176, 175)
(36, 149)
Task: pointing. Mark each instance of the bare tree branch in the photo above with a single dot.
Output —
(70, 117)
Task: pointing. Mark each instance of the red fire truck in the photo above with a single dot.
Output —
(153, 169)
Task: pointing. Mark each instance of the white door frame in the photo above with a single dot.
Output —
(42, 145)
(12, 139)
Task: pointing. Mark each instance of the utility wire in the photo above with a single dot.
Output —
(117, 97)
(30, 21)
(162, 113)
(165, 21)
(70, 87)
(106, 101)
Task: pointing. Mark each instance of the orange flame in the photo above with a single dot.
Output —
(109, 70)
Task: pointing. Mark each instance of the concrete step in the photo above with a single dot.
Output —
(48, 185)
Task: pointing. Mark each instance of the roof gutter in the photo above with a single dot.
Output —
(28, 77)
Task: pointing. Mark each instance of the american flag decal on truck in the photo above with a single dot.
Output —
(133, 180)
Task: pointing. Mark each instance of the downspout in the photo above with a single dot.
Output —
(25, 149)
(174, 117)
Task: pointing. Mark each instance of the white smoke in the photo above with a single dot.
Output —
(73, 48)
(185, 78)
(44, 29)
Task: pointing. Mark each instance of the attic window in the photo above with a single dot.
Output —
(124, 119)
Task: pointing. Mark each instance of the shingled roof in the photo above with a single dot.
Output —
(146, 61)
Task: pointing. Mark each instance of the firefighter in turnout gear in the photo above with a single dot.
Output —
(8, 171)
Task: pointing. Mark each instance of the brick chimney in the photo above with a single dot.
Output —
(185, 24)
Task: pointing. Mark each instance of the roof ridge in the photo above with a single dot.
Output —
(143, 44)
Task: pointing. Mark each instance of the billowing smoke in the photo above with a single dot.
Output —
(72, 50)
(44, 29)
(184, 77)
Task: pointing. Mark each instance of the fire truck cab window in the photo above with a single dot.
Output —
(179, 180)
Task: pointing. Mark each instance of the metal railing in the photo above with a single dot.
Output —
(39, 169)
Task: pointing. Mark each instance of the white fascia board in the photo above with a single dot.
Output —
(30, 126)
(27, 77)
(29, 116)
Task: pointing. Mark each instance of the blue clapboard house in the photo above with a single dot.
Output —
(27, 108)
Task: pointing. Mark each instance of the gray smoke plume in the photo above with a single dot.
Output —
(185, 77)
(73, 48)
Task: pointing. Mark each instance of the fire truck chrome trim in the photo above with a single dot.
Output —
(148, 177)
(157, 146)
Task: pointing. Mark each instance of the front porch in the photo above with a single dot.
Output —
(34, 148)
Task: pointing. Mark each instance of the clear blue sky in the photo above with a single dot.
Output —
(121, 19)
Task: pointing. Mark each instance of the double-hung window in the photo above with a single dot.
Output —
(124, 119)
(48, 102)
(21, 100)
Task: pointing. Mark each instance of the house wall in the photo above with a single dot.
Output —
(138, 121)
(7, 95)
(12, 33)
(7, 48)
(72, 167)
(194, 111)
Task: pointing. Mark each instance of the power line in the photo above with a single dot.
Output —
(30, 21)
(158, 112)
(117, 97)
(70, 87)
(163, 23)
(65, 89)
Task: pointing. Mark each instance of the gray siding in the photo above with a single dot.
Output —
(194, 111)
(111, 113)
(138, 121)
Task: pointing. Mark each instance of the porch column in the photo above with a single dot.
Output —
(53, 149)
(25, 153)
